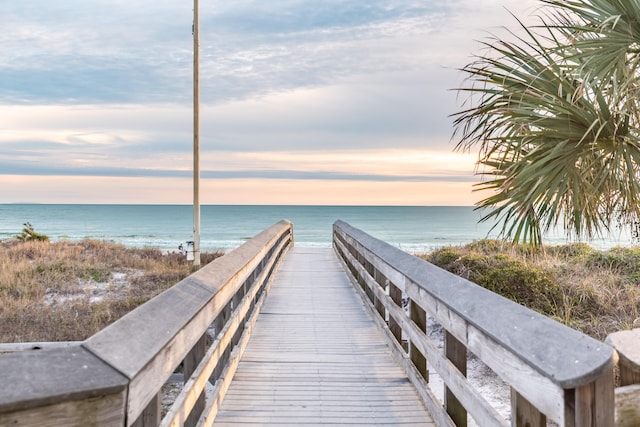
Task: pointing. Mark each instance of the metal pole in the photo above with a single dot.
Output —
(196, 135)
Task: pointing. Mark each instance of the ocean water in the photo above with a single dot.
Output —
(414, 229)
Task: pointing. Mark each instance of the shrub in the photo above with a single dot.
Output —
(501, 273)
(572, 250)
(70, 290)
(594, 291)
(444, 257)
(28, 234)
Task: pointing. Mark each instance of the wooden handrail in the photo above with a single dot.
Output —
(553, 370)
(115, 376)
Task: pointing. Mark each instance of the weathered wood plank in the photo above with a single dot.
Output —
(627, 344)
(524, 414)
(48, 377)
(593, 405)
(628, 406)
(11, 347)
(104, 411)
(190, 364)
(533, 386)
(456, 353)
(316, 367)
(419, 317)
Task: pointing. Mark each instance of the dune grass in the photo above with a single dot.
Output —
(596, 292)
(66, 291)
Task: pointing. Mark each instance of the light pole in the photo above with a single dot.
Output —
(196, 135)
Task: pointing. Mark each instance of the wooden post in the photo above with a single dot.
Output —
(627, 344)
(196, 135)
(220, 322)
(592, 405)
(191, 362)
(524, 414)
(456, 352)
(396, 295)
(150, 417)
(381, 281)
(419, 317)
(369, 269)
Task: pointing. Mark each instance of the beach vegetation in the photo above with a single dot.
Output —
(594, 291)
(68, 291)
(553, 112)
(28, 233)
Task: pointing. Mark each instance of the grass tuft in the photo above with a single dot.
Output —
(67, 291)
(596, 292)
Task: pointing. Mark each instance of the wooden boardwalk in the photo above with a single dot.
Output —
(316, 357)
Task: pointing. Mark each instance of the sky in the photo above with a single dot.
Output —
(339, 102)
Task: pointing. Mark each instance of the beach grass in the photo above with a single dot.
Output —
(67, 291)
(596, 292)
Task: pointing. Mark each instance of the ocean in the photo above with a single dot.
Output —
(415, 229)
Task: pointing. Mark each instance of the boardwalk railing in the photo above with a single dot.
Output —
(198, 327)
(554, 371)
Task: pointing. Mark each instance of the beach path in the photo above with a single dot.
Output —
(316, 357)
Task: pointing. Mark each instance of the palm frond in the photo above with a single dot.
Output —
(557, 132)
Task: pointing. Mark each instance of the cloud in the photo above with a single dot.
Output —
(291, 90)
(134, 51)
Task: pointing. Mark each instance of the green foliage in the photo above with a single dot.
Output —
(29, 234)
(528, 286)
(554, 114)
(97, 274)
(625, 261)
(502, 274)
(573, 250)
(444, 257)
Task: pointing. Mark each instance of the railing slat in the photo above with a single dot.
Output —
(419, 317)
(456, 353)
(524, 413)
(189, 365)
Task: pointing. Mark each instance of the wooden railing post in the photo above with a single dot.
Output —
(524, 414)
(627, 344)
(381, 281)
(456, 352)
(219, 323)
(395, 294)
(150, 417)
(592, 404)
(419, 317)
(190, 364)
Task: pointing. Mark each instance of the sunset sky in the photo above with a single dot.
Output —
(303, 102)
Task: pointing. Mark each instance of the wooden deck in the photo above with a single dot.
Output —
(316, 357)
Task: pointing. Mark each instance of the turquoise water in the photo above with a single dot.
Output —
(411, 228)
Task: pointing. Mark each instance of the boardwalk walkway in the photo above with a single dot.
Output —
(316, 357)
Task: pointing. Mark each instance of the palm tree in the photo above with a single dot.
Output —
(554, 113)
